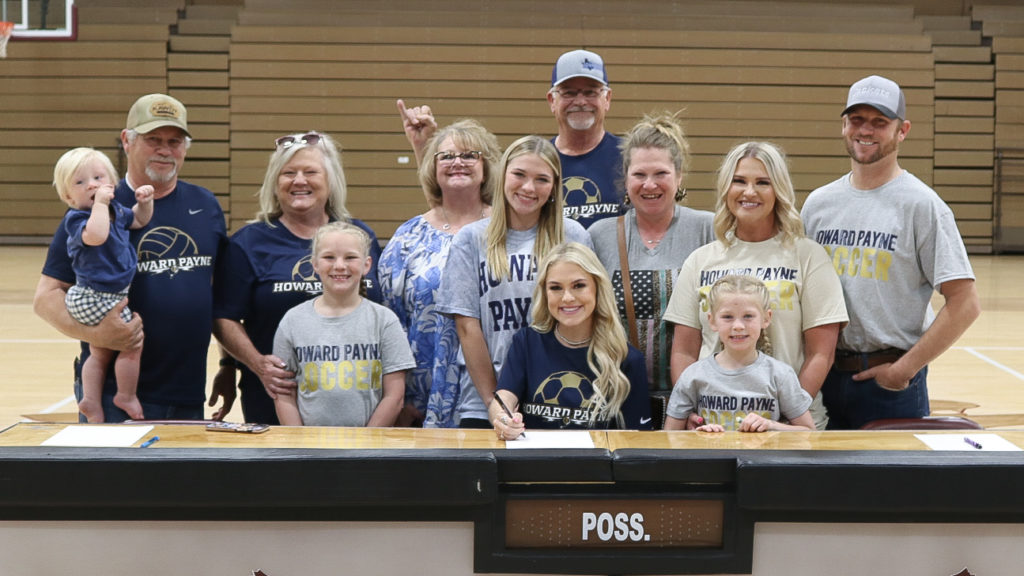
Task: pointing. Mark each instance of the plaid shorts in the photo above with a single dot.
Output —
(89, 306)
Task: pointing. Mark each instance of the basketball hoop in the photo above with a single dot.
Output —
(5, 34)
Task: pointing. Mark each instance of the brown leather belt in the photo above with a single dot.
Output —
(847, 361)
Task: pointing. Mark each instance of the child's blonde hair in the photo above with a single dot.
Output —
(733, 284)
(343, 228)
(72, 161)
(608, 348)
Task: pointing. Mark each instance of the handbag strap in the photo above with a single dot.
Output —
(627, 284)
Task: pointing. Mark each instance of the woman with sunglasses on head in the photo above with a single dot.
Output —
(488, 281)
(456, 172)
(268, 269)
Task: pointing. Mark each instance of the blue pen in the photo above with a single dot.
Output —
(972, 443)
(149, 442)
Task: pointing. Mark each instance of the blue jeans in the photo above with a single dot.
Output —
(151, 411)
(852, 404)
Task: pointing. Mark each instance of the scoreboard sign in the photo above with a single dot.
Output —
(609, 523)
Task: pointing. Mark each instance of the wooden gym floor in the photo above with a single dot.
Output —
(982, 376)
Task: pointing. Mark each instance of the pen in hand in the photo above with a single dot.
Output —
(508, 412)
(972, 443)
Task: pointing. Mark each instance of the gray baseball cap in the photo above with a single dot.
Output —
(881, 94)
(579, 63)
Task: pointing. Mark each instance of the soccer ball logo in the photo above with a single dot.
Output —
(563, 388)
(579, 190)
(303, 270)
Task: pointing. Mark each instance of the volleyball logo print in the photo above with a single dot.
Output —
(168, 250)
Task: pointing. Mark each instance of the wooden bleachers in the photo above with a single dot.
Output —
(59, 95)
(1005, 25)
(737, 69)
(783, 78)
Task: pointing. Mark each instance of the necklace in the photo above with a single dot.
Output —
(652, 241)
(572, 343)
(447, 225)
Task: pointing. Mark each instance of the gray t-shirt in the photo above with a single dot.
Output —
(768, 387)
(652, 271)
(892, 247)
(502, 305)
(340, 362)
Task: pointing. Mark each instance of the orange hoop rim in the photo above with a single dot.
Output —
(6, 26)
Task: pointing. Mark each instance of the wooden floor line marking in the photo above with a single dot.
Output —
(58, 405)
(1002, 367)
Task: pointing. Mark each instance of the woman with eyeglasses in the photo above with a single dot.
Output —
(268, 269)
(456, 172)
(488, 281)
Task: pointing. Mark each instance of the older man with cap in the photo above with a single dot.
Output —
(172, 289)
(579, 98)
(893, 242)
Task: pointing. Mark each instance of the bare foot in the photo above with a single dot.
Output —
(130, 404)
(92, 409)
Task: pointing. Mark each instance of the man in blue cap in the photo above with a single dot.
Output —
(591, 162)
(893, 242)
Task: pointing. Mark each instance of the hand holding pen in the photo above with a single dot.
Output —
(507, 426)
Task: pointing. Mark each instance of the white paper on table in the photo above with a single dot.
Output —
(552, 439)
(120, 436)
(988, 442)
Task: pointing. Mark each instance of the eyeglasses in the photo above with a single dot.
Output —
(589, 93)
(309, 138)
(469, 157)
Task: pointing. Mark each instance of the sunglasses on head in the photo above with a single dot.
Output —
(309, 138)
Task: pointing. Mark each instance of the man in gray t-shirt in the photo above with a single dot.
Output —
(893, 242)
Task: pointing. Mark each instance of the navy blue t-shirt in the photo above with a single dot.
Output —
(110, 266)
(591, 181)
(553, 384)
(267, 271)
(172, 290)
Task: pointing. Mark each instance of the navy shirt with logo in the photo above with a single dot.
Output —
(553, 384)
(267, 271)
(172, 290)
(591, 182)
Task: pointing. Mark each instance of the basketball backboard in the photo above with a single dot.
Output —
(42, 19)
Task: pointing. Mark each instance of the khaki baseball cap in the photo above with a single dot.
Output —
(155, 110)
